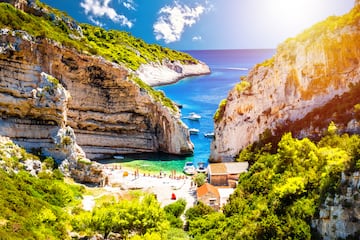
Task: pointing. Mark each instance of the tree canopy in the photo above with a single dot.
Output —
(282, 191)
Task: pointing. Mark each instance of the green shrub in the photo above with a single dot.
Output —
(139, 216)
(66, 140)
(198, 210)
(33, 208)
(242, 86)
(48, 163)
(176, 209)
(199, 179)
(220, 111)
(282, 191)
(267, 63)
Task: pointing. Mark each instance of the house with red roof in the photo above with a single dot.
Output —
(209, 195)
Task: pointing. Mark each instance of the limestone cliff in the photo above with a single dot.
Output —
(35, 115)
(311, 80)
(339, 216)
(109, 113)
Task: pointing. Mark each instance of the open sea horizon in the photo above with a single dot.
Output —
(201, 95)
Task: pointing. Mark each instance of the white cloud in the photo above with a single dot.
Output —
(173, 20)
(196, 38)
(129, 4)
(101, 8)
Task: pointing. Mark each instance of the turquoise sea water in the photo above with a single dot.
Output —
(202, 95)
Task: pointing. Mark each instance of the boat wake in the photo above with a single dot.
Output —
(232, 68)
(237, 68)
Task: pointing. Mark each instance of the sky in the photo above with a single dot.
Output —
(205, 24)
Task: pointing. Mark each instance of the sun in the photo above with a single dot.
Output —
(293, 13)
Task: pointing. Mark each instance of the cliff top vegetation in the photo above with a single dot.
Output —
(283, 190)
(115, 46)
(331, 24)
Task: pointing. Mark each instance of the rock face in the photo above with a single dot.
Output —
(108, 112)
(312, 79)
(339, 216)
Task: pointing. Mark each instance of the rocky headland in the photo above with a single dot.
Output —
(312, 79)
(156, 74)
(72, 105)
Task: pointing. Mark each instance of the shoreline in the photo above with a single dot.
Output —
(156, 74)
(141, 172)
(164, 186)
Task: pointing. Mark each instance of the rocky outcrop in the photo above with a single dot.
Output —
(34, 114)
(312, 80)
(339, 216)
(156, 74)
(107, 111)
(20, 4)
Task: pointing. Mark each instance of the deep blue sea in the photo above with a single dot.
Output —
(202, 95)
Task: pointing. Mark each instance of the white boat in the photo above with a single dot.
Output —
(194, 131)
(189, 168)
(201, 168)
(209, 135)
(193, 116)
(118, 157)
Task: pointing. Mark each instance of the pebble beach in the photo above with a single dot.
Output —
(164, 185)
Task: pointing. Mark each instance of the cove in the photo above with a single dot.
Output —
(201, 95)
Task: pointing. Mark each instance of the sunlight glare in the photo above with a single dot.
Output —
(293, 14)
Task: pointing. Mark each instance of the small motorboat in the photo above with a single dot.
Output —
(209, 135)
(194, 131)
(201, 168)
(189, 168)
(118, 157)
(193, 116)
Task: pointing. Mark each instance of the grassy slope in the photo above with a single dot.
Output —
(113, 45)
(47, 207)
(33, 207)
(116, 46)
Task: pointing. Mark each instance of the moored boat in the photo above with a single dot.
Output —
(189, 168)
(194, 131)
(193, 116)
(209, 135)
(201, 168)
